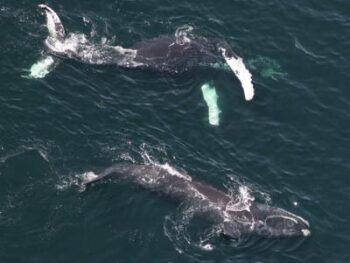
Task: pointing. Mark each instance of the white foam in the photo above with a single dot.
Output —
(242, 204)
(244, 200)
(70, 44)
(79, 47)
(207, 247)
(67, 183)
(43, 155)
(171, 170)
(89, 177)
(41, 68)
(242, 73)
(244, 192)
(181, 35)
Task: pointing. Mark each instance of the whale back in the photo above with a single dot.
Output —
(237, 218)
(179, 186)
(167, 53)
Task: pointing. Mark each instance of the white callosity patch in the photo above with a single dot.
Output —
(211, 98)
(306, 232)
(242, 73)
(300, 218)
(41, 68)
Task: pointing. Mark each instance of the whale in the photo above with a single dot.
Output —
(236, 217)
(171, 53)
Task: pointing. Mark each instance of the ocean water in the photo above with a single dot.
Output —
(289, 146)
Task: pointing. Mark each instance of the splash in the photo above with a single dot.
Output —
(188, 235)
(88, 177)
(41, 68)
(68, 183)
(173, 171)
(80, 180)
(243, 201)
(78, 46)
(166, 166)
(207, 247)
(182, 35)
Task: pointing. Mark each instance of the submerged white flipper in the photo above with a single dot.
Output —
(242, 73)
(53, 23)
(211, 98)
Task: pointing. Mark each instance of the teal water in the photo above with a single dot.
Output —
(289, 146)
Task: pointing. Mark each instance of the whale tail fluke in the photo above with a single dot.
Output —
(54, 42)
(53, 23)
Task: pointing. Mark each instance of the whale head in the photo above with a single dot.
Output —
(265, 221)
(277, 222)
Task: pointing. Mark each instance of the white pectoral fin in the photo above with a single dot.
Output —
(211, 99)
(42, 67)
(242, 73)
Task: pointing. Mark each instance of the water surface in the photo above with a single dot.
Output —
(289, 146)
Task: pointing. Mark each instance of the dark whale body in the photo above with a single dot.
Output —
(235, 217)
(167, 53)
(172, 54)
(164, 53)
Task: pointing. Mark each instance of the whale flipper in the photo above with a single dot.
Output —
(242, 73)
(42, 67)
(53, 22)
(211, 99)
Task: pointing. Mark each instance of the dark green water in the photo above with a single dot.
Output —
(290, 146)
